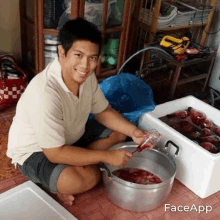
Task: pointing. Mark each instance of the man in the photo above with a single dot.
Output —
(48, 139)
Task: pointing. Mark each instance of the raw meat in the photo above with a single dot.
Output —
(183, 126)
(177, 127)
(211, 139)
(205, 132)
(210, 147)
(197, 117)
(195, 134)
(178, 114)
(206, 124)
(186, 126)
(217, 130)
(196, 127)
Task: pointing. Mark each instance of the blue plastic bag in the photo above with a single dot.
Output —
(129, 95)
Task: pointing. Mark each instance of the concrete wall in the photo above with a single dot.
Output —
(10, 37)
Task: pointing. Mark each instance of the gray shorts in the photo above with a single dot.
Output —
(39, 169)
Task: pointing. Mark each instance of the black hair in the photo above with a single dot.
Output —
(79, 29)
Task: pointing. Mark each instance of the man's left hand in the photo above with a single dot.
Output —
(139, 136)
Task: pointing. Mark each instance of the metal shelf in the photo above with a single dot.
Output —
(147, 27)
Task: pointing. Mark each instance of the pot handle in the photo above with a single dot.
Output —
(177, 147)
(103, 167)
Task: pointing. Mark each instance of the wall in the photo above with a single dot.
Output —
(213, 40)
(10, 40)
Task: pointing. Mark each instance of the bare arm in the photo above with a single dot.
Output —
(77, 156)
(115, 121)
(74, 155)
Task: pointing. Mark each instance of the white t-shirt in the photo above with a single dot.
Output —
(48, 115)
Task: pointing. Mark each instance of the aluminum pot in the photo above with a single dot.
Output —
(138, 197)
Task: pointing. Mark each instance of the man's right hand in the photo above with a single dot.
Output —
(118, 157)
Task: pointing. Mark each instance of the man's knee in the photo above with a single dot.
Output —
(93, 177)
(74, 180)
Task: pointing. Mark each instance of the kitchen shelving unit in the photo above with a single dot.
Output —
(150, 30)
(33, 31)
(143, 33)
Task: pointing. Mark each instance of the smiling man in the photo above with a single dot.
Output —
(51, 139)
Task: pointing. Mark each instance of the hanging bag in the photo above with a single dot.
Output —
(13, 81)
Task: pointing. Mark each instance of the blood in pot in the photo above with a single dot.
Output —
(136, 175)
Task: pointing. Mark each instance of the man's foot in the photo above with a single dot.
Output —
(66, 199)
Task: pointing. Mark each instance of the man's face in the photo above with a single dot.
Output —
(80, 61)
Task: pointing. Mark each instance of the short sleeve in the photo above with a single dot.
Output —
(48, 123)
(99, 102)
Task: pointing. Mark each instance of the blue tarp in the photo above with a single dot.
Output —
(129, 95)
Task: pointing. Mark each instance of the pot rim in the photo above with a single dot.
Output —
(142, 186)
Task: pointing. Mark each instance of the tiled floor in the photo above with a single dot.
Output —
(6, 168)
(94, 205)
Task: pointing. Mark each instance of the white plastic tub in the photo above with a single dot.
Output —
(197, 168)
(28, 201)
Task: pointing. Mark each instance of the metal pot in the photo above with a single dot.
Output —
(138, 197)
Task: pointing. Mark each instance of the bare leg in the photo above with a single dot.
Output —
(66, 199)
(75, 180)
